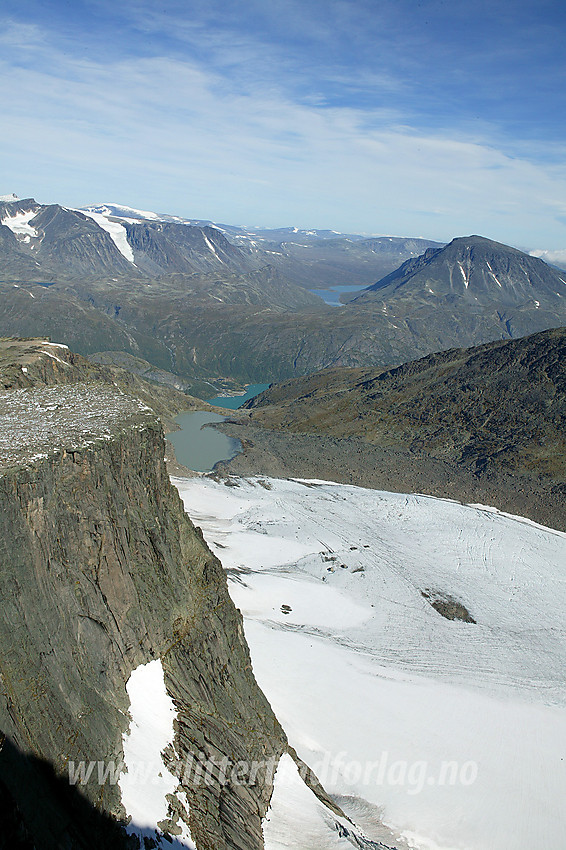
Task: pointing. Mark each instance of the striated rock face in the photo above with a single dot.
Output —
(101, 570)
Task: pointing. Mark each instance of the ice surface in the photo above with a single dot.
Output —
(146, 781)
(118, 211)
(455, 732)
(19, 224)
(116, 230)
(296, 813)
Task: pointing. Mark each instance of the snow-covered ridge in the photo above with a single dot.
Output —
(406, 717)
(120, 211)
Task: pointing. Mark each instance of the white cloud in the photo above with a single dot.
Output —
(558, 257)
(20, 36)
(171, 134)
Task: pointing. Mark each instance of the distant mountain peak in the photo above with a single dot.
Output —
(477, 269)
(8, 199)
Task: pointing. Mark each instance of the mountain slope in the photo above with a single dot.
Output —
(486, 424)
(161, 248)
(503, 402)
(476, 269)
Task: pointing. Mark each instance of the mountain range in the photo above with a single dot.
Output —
(200, 305)
(131, 638)
(113, 240)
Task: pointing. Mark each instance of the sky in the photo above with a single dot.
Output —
(431, 118)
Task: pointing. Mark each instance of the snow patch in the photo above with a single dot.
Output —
(146, 782)
(466, 281)
(20, 225)
(493, 275)
(211, 246)
(54, 357)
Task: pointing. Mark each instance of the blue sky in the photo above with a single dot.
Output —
(414, 118)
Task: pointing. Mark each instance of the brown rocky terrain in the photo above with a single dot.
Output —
(479, 424)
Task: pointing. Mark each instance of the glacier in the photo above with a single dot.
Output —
(429, 733)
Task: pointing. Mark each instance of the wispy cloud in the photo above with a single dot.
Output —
(17, 36)
(221, 121)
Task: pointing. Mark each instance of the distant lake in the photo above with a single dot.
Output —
(199, 447)
(332, 294)
(233, 402)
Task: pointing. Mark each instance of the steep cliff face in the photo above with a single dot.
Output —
(100, 571)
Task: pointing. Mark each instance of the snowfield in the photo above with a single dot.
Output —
(116, 230)
(20, 225)
(430, 733)
(146, 782)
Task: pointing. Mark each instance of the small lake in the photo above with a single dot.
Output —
(331, 295)
(199, 447)
(233, 402)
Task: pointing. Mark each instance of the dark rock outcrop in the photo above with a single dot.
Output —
(101, 570)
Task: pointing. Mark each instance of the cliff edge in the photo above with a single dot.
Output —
(101, 571)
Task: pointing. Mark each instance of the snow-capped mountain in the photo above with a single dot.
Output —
(311, 257)
(95, 242)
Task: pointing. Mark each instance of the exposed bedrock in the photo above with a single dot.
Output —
(100, 571)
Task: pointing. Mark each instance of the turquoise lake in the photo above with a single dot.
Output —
(233, 402)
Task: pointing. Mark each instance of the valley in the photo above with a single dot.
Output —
(485, 424)
(206, 306)
(358, 608)
(282, 425)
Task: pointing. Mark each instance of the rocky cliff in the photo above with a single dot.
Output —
(101, 571)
